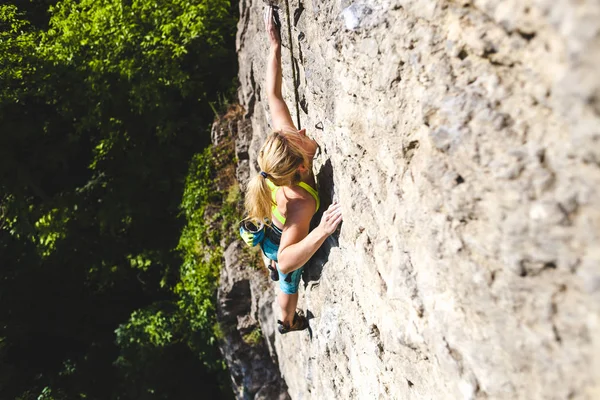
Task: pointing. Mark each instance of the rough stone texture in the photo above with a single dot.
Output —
(462, 140)
(254, 373)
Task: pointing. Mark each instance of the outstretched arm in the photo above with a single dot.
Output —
(280, 113)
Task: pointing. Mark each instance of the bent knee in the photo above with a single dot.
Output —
(284, 269)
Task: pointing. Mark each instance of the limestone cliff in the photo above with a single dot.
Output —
(462, 138)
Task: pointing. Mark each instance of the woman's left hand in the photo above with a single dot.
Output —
(271, 28)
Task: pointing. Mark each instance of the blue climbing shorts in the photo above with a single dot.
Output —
(288, 283)
(270, 242)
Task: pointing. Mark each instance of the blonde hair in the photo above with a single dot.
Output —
(279, 158)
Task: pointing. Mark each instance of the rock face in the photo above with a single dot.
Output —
(254, 373)
(462, 139)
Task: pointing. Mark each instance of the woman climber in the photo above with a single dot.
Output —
(283, 196)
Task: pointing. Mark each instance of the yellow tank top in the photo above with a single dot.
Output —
(303, 185)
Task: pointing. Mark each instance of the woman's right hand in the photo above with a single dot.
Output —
(272, 30)
(331, 218)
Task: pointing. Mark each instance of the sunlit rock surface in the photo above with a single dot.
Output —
(462, 139)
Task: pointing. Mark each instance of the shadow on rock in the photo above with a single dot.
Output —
(314, 267)
(309, 316)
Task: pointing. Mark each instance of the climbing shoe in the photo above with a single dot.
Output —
(299, 323)
(273, 272)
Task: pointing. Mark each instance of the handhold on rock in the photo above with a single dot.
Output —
(276, 19)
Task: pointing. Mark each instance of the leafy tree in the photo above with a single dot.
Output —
(103, 103)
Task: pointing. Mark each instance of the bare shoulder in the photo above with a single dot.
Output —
(297, 195)
(295, 199)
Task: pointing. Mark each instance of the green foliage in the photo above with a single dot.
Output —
(154, 362)
(218, 331)
(201, 256)
(51, 228)
(190, 320)
(146, 327)
(103, 103)
(17, 43)
(142, 42)
(253, 338)
(210, 214)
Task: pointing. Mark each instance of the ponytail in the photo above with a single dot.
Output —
(258, 201)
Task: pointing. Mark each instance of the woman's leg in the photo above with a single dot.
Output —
(288, 299)
(288, 303)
